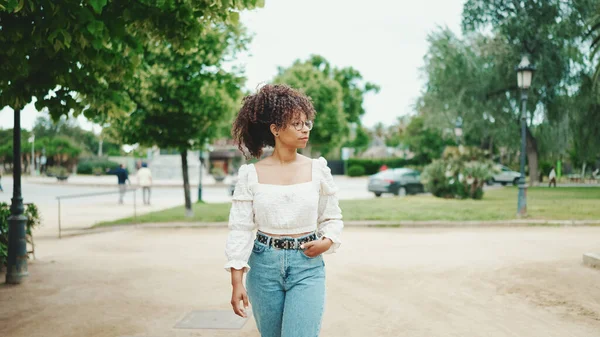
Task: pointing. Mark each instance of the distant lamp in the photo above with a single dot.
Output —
(524, 73)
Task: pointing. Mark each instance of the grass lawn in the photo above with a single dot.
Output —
(569, 203)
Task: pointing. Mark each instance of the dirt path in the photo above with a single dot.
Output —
(383, 282)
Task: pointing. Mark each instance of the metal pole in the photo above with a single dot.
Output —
(200, 178)
(16, 268)
(59, 224)
(32, 169)
(135, 206)
(522, 202)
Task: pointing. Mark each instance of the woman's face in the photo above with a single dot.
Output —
(296, 133)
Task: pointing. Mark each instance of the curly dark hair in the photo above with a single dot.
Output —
(273, 104)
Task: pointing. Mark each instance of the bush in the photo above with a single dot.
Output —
(33, 221)
(57, 171)
(95, 165)
(455, 178)
(371, 166)
(356, 171)
(217, 172)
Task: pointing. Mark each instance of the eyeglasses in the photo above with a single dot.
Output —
(299, 125)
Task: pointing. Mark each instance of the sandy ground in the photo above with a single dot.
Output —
(383, 282)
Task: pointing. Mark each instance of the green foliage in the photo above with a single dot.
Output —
(57, 171)
(94, 165)
(361, 140)
(356, 171)
(33, 221)
(183, 98)
(44, 127)
(217, 172)
(93, 48)
(426, 143)
(326, 94)
(371, 166)
(337, 95)
(584, 120)
(474, 78)
(457, 178)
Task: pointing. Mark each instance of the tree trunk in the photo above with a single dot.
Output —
(186, 184)
(532, 157)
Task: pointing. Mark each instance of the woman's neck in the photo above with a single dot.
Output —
(284, 155)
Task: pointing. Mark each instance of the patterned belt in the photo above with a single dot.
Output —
(284, 243)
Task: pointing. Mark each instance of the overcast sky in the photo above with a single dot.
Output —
(384, 39)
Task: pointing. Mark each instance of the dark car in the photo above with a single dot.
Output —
(400, 181)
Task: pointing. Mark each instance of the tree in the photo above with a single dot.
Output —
(326, 94)
(75, 56)
(361, 139)
(44, 127)
(61, 150)
(550, 32)
(584, 121)
(87, 52)
(183, 98)
(426, 143)
(338, 96)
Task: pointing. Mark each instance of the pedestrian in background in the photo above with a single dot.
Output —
(144, 179)
(552, 177)
(122, 178)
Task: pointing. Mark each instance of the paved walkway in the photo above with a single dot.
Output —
(384, 282)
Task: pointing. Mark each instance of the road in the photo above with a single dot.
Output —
(82, 212)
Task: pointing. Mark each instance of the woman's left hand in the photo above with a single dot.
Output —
(316, 247)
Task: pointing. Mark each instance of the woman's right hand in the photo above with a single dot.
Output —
(239, 295)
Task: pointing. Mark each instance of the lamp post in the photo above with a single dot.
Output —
(200, 178)
(203, 156)
(16, 264)
(524, 74)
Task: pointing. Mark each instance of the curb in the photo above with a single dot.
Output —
(591, 260)
(170, 185)
(355, 223)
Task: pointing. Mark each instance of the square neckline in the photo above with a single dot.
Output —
(312, 176)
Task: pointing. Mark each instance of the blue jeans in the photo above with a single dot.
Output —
(286, 290)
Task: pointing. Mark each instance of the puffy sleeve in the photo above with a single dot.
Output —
(241, 224)
(329, 221)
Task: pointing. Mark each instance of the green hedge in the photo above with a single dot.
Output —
(356, 171)
(371, 166)
(90, 165)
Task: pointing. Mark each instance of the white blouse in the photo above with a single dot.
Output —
(281, 209)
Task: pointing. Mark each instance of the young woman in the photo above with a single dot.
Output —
(291, 200)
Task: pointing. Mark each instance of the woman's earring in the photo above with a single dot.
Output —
(276, 135)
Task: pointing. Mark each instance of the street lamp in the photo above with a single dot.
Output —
(203, 156)
(16, 263)
(524, 74)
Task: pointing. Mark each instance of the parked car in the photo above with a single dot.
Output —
(505, 176)
(400, 181)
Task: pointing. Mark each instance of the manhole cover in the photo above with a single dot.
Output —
(212, 320)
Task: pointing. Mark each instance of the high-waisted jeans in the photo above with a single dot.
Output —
(286, 289)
